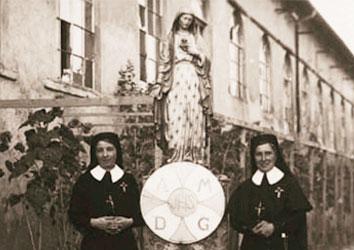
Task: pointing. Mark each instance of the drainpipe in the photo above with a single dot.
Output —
(297, 79)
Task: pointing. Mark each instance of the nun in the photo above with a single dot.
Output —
(269, 208)
(104, 204)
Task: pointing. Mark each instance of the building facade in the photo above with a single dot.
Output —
(276, 67)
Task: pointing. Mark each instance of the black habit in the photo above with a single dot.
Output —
(92, 199)
(282, 204)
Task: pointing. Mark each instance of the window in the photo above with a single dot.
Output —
(343, 128)
(318, 124)
(150, 14)
(331, 120)
(237, 86)
(306, 105)
(77, 42)
(265, 75)
(287, 97)
(351, 131)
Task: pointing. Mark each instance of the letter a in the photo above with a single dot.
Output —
(162, 186)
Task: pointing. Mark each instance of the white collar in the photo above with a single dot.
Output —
(273, 176)
(98, 172)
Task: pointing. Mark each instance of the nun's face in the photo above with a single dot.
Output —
(106, 154)
(185, 21)
(265, 157)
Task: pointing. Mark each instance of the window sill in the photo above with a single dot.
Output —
(70, 89)
(8, 73)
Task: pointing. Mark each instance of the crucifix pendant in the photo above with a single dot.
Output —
(278, 191)
(110, 202)
(259, 209)
(124, 186)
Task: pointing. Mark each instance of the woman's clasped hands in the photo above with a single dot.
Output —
(111, 224)
(263, 228)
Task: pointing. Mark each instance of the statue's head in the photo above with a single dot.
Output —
(185, 19)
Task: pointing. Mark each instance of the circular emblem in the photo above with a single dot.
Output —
(182, 202)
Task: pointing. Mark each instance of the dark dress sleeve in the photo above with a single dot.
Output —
(78, 209)
(135, 195)
(236, 209)
(296, 207)
(297, 200)
(294, 220)
(291, 223)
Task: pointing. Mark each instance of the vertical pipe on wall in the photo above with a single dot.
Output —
(297, 79)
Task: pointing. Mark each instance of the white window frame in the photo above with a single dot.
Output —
(305, 107)
(237, 87)
(320, 113)
(343, 129)
(150, 38)
(265, 75)
(288, 82)
(79, 48)
(331, 120)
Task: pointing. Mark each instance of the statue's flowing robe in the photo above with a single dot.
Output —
(183, 97)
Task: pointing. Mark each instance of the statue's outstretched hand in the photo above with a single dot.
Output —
(193, 52)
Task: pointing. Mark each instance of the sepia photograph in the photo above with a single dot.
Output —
(176, 125)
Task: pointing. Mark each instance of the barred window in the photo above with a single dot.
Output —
(77, 42)
(319, 114)
(305, 100)
(343, 129)
(237, 87)
(150, 15)
(331, 120)
(265, 75)
(287, 97)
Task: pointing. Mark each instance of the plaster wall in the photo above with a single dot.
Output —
(246, 110)
(118, 31)
(35, 55)
(269, 14)
(28, 46)
(224, 103)
(315, 50)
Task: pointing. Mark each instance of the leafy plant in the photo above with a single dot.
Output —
(137, 141)
(49, 161)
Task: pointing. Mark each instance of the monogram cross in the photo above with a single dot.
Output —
(259, 209)
(279, 190)
(124, 186)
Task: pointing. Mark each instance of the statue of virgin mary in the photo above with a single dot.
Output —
(182, 91)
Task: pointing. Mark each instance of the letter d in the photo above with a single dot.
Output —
(160, 223)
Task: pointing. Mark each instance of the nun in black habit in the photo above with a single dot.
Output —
(269, 208)
(105, 200)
